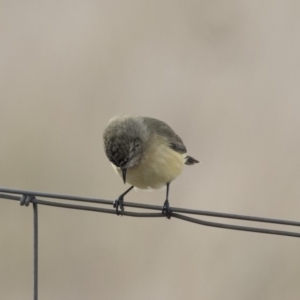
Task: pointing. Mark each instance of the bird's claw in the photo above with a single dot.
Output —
(119, 205)
(166, 210)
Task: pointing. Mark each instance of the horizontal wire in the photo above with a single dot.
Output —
(216, 214)
(82, 207)
(97, 209)
(57, 196)
(154, 207)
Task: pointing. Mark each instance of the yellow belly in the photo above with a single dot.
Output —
(159, 165)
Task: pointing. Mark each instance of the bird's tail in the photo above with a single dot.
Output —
(190, 160)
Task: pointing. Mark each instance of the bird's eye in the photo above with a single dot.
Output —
(137, 143)
(114, 148)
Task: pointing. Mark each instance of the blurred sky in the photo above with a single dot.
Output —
(223, 74)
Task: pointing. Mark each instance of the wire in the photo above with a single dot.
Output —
(35, 251)
(234, 227)
(27, 197)
(175, 211)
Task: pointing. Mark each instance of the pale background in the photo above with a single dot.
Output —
(224, 74)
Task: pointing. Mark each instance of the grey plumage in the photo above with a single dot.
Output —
(162, 129)
(190, 160)
(124, 140)
(126, 135)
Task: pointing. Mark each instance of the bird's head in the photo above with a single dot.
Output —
(124, 138)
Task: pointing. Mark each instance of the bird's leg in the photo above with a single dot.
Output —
(119, 203)
(166, 208)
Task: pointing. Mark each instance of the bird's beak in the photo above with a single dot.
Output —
(124, 174)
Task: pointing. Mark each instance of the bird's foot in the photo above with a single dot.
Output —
(119, 205)
(166, 210)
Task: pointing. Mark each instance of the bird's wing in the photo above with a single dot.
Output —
(162, 129)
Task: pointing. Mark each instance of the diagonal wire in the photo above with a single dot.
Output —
(235, 227)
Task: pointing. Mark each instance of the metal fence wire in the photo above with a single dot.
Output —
(27, 197)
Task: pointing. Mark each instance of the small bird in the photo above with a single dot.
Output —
(146, 153)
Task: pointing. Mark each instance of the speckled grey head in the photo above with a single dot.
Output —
(124, 139)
